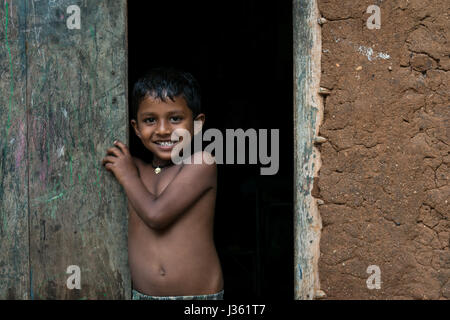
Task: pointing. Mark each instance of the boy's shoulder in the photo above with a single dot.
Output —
(203, 158)
(201, 163)
(202, 169)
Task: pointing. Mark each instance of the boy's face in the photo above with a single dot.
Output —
(156, 120)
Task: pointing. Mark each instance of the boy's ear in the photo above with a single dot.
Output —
(198, 123)
(134, 124)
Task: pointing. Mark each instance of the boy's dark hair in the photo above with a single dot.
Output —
(162, 82)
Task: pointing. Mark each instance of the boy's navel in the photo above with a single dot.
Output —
(162, 271)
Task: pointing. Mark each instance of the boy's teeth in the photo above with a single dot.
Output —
(166, 143)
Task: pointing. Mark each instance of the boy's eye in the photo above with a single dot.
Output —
(151, 120)
(175, 118)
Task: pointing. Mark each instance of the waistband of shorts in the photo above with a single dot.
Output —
(213, 296)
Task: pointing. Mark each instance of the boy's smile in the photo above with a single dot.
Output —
(156, 120)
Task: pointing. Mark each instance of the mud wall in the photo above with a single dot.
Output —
(385, 164)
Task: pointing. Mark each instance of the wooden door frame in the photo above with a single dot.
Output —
(308, 113)
(74, 200)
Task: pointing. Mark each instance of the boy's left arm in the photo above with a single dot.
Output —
(192, 182)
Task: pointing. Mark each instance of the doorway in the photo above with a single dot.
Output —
(241, 53)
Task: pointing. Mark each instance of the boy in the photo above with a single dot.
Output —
(171, 206)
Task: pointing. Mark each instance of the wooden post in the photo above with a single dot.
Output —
(307, 117)
(14, 269)
(76, 102)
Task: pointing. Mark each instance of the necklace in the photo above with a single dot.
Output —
(159, 168)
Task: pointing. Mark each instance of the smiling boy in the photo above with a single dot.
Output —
(171, 250)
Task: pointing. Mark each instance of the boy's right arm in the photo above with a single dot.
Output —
(138, 163)
(191, 183)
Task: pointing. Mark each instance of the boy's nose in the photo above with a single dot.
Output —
(163, 128)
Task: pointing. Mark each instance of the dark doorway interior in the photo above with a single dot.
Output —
(241, 53)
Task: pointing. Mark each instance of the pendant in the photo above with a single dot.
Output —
(157, 170)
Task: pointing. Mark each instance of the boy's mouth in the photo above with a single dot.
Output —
(165, 143)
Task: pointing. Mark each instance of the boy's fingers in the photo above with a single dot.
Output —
(108, 159)
(114, 151)
(122, 146)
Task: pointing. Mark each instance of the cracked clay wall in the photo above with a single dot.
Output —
(385, 164)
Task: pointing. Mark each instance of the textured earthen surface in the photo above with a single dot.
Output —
(385, 171)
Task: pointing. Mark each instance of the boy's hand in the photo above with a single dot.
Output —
(120, 162)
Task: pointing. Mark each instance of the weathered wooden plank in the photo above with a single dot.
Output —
(307, 107)
(77, 83)
(14, 275)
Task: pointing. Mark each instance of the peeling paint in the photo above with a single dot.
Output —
(369, 53)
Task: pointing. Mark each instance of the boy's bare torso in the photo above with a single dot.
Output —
(180, 259)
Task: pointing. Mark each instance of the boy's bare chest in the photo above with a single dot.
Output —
(156, 183)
